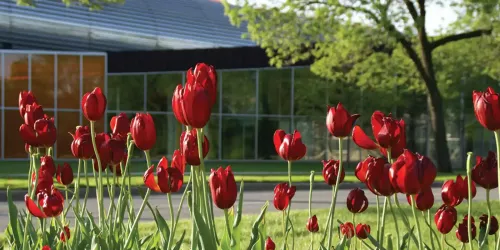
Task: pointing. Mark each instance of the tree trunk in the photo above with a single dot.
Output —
(442, 154)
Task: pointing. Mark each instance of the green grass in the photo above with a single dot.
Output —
(274, 225)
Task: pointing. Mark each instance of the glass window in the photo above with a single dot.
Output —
(238, 141)
(66, 122)
(211, 131)
(93, 72)
(99, 125)
(310, 93)
(160, 91)
(314, 134)
(275, 91)
(42, 79)
(15, 144)
(68, 82)
(126, 92)
(1, 135)
(266, 128)
(163, 132)
(16, 78)
(238, 92)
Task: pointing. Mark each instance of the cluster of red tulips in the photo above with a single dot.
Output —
(396, 171)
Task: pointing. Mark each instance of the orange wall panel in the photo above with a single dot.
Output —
(16, 78)
(94, 76)
(42, 79)
(14, 144)
(68, 81)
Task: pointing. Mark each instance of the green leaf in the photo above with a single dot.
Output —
(483, 238)
(389, 241)
(162, 226)
(342, 244)
(404, 242)
(375, 242)
(239, 211)
(206, 235)
(81, 223)
(179, 243)
(255, 228)
(145, 239)
(13, 222)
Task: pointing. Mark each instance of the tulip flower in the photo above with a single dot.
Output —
(63, 235)
(103, 149)
(331, 171)
(25, 98)
(289, 146)
(120, 125)
(64, 174)
(485, 171)
(424, 200)
(47, 164)
(362, 168)
(462, 231)
(143, 131)
(453, 193)
(81, 146)
(52, 204)
(270, 244)
(170, 179)
(376, 176)
(189, 147)
(46, 247)
(45, 181)
(493, 224)
(388, 132)
(32, 113)
(94, 104)
(312, 224)
(116, 170)
(339, 122)
(412, 173)
(445, 218)
(347, 229)
(487, 108)
(362, 231)
(43, 133)
(205, 75)
(357, 201)
(283, 194)
(116, 149)
(223, 187)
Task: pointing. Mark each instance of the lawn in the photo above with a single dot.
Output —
(302, 236)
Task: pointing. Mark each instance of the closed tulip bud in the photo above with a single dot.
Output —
(51, 204)
(312, 224)
(485, 171)
(81, 146)
(412, 173)
(445, 218)
(170, 179)
(223, 187)
(362, 231)
(116, 149)
(189, 147)
(42, 134)
(94, 105)
(283, 194)
(357, 201)
(205, 75)
(462, 231)
(63, 235)
(424, 200)
(25, 98)
(120, 125)
(64, 174)
(143, 131)
(377, 176)
(453, 192)
(493, 224)
(33, 112)
(289, 146)
(339, 122)
(270, 244)
(47, 164)
(487, 108)
(331, 171)
(347, 230)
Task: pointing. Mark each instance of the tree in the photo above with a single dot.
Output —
(366, 39)
(91, 4)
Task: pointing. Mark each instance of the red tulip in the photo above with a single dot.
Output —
(25, 98)
(101, 140)
(120, 125)
(143, 131)
(289, 146)
(43, 134)
(270, 244)
(64, 174)
(493, 224)
(81, 146)
(170, 179)
(32, 113)
(362, 168)
(339, 122)
(485, 171)
(462, 231)
(412, 173)
(46, 247)
(362, 231)
(424, 200)
(94, 105)
(445, 218)
(47, 164)
(283, 194)
(453, 193)
(331, 171)
(223, 187)
(45, 180)
(189, 147)
(116, 149)
(52, 204)
(487, 108)
(312, 224)
(205, 75)
(377, 176)
(62, 236)
(388, 133)
(357, 201)
(347, 229)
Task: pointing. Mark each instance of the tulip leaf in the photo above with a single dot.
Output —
(375, 242)
(206, 235)
(82, 245)
(94, 226)
(239, 210)
(483, 238)
(13, 222)
(162, 226)
(145, 239)
(255, 228)
(389, 241)
(179, 243)
(81, 223)
(321, 247)
(404, 242)
(342, 244)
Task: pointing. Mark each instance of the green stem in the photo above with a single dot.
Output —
(77, 186)
(413, 206)
(100, 205)
(311, 182)
(174, 227)
(489, 217)
(337, 182)
(61, 226)
(406, 221)
(32, 194)
(469, 191)
(382, 222)
(203, 196)
(228, 228)
(136, 221)
(378, 217)
(431, 230)
(86, 188)
(497, 140)
(194, 197)
(290, 203)
(442, 240)
(396, 224)
(327, 224)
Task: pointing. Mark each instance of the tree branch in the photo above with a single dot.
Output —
(460, 36)
(413, 11)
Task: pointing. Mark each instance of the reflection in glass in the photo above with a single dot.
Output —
(66, 122)
(126, 92)
(314, 134)
(275, 91)
(266, 129)
(68, 82)
(16, 78)
(42, 79)
(211, 131)
(162, 136)
(93, 72)
(310, 93)
(238, 141)
(160, 91)
(238, 88)
(14, 144)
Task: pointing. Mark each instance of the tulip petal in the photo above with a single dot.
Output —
(278, 137)
(377, 122)
(33, 208)
(149, 179)
(362, 140)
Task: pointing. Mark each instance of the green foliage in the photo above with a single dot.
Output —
(91, 4)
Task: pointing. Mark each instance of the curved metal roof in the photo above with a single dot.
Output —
(136, 24)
